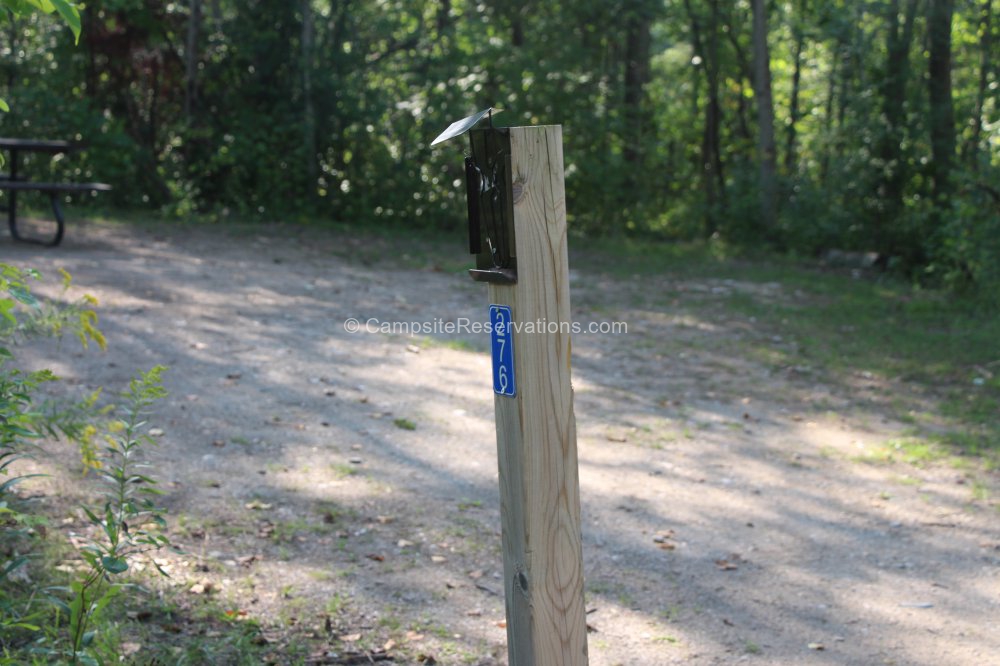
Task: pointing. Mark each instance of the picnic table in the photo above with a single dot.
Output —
(12, 182)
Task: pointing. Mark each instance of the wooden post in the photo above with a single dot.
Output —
(536, 429)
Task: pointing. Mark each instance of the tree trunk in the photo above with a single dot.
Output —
(765, 121)
(831, 95)
(732, 31)
(793, 103)
(637, 43)
(517, 10)
(890, 146)
(308, 106)
(191, 56)
(443, 18)
(941, 110)
(972, 148)
(712, 178)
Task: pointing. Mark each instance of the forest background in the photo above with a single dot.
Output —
(802, 126)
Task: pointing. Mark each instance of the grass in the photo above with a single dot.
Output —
(343, 470)
(928, 358)
(404, 424)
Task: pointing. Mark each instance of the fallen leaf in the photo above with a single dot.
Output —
(502, 624)
(426, 659)
(257, 505)
(204, 586)
(389, 644)
(376, 557)
(729, 563)
(403, 543)
(817, 646)
(156, 432)
(616, 437)
(413, 637)
(438, 559)
(350, 638)
(664, 539)
(247, 560)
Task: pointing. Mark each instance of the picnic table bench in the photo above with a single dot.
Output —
(12, 183)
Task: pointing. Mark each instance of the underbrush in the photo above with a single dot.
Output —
(51, 612)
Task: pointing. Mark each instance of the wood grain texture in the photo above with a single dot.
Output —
(536, 429)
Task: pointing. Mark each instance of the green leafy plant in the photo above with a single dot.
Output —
(20, 426)
(129, 522)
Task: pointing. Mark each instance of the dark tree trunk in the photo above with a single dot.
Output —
(793, 103)
(765, 122)
(191, 60)
(12, 31)
(828, 115)
(973, 147)
(713, 180)
(516, 22)
(893, 96)
(637, 42)
(733, 23)
(308, 105)
(941, 110)
(443, 18)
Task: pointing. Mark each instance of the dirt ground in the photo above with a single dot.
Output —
(342, 488)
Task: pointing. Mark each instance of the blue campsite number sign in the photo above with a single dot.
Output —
(503, 350)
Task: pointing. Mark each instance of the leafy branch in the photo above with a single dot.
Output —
(129, 523)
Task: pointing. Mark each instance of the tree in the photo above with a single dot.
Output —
(894, 83)
(710, 162)
(799, 35)
(768, 181)
(941, 113)
(191, 58)
(637, 53)
(308, 107)
(973, 146)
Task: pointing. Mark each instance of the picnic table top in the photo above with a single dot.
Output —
(37, 145)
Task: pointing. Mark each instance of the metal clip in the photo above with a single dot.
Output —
(489, 198)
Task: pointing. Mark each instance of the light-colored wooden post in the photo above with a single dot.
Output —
(536, 429)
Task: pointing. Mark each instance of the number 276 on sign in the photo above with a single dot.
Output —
(503, 350)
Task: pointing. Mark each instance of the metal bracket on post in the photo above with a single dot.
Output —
(489, 191)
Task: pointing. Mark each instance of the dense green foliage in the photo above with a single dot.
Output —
(885, 113)
(52, 624)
